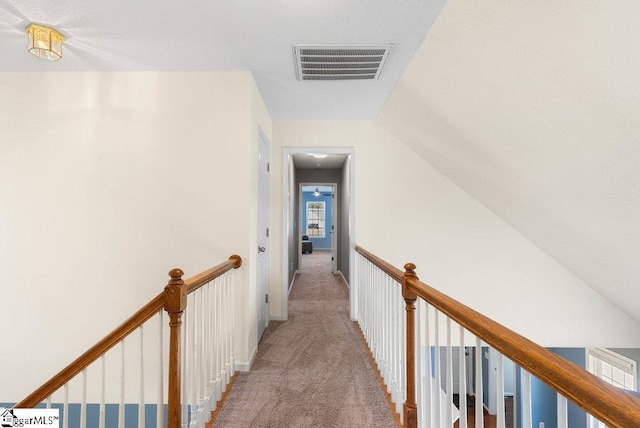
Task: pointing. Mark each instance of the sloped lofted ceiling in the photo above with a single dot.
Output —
(533, 108)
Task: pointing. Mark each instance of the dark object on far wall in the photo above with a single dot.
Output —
(307, 246)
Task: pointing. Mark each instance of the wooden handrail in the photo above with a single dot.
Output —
(100, 348)
(126, 328)
(201, 279)
(611, 405)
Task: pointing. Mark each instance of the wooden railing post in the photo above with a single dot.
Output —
(175, 301)
(410, 406)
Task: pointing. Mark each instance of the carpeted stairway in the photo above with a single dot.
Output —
(312, 370)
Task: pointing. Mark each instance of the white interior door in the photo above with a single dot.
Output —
(263, 250)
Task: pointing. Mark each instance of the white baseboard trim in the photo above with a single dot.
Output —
(295, 275)
(278, 317)
(343, 278)
(245, 366)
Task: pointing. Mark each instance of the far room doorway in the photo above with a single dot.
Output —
(318, 221)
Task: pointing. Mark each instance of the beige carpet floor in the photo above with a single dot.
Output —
(312, 370)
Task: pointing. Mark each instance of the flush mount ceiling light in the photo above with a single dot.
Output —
(319, 155)
(44, 42)
(316, 193)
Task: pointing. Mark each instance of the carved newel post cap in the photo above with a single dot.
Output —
(409, 269)
(176, 274)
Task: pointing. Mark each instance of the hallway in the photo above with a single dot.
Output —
(312, 370)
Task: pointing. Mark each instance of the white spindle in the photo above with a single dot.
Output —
(479, 422)
(228, 305)
(102, 392)
(449, 378)
(141, 421)
(428, 401)
(208, 316)
(462, 375)
(83, 405)
(437, 404)
(500, 390)
(396, 307)
(160, 398)
(211, 370)
(199, 357)
(516, 396)
(563, 421)
(65, 406)
(48, 405)
(527, 420)
(220, 342)
(193, 369)
(186, 361)
(122, 370)
(419, 363)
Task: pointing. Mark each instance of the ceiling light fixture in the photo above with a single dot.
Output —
(316, 193)
(44, 42)
(319, 155)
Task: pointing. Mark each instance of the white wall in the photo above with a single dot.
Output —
(406, 210)
(109, 180)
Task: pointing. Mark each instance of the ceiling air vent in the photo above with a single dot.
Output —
(339, 62)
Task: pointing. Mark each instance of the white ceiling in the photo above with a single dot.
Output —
(227, 35)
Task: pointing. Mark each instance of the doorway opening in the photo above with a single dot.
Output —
(318, 222)
(330, 171)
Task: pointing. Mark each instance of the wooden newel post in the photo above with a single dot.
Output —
(175, 301)
(410, 406)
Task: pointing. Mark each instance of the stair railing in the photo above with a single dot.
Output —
(199, 352)
(415, 355)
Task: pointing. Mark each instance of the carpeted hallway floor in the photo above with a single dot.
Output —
(312, 370)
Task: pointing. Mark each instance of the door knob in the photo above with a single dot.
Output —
(261, 249)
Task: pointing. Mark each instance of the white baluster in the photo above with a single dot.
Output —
(428, 402)
(220, 344)
(230, 317)
(48, 405)
(500, 390)
(479, 422)
(185, 358)
(563, 421)
(193, 370)
(65, 406)
(102, 392)
(419, 362)
(462, 375)
(516, 396)
(141, 415)
(437, 405)
(122, 371)
(160, 399)
(83, 405)
(449, 379)
(527, 420)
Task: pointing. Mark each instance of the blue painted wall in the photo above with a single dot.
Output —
(543, 398)
(111, 414)
(318, 243)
